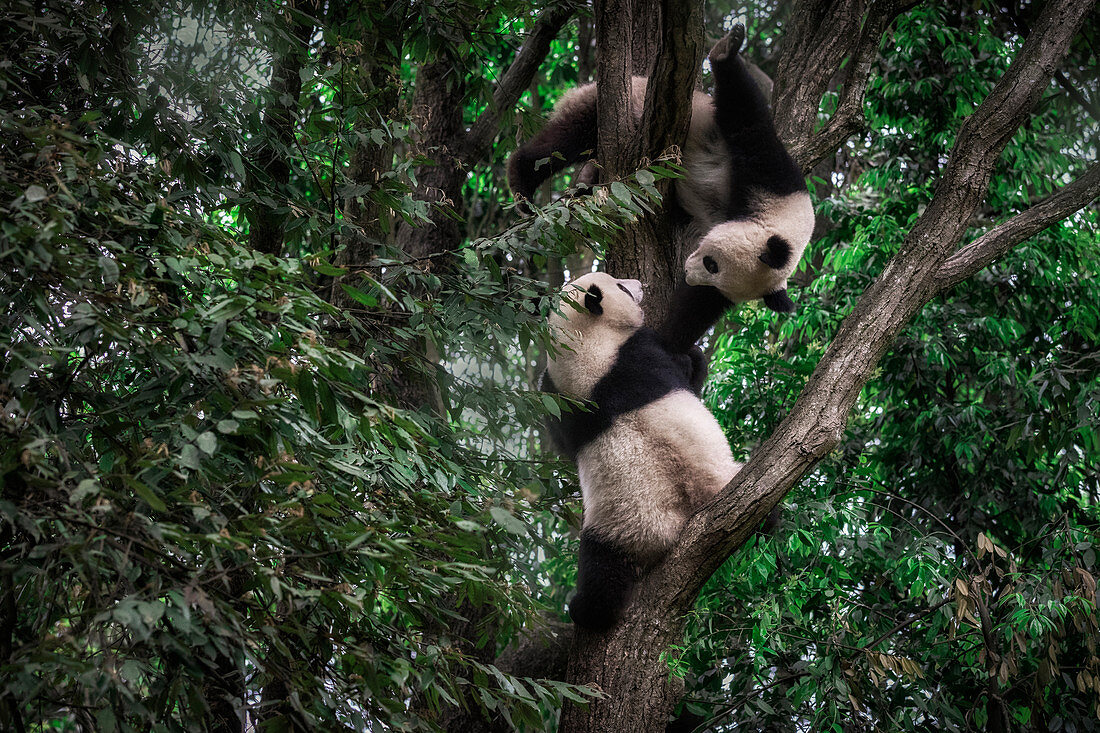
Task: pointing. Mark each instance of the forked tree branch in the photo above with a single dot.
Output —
(823, 36)
(668, 96)
(999, 240)
(670, 33)
(818, 418)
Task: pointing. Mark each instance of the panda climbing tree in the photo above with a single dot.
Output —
(748, 214)
(630, 663)
(648, 452)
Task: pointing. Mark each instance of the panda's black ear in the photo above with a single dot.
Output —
(592, 300)
(779, 302)
(778, 254)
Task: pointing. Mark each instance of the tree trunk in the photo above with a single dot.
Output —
(268, 164)
(629, 666)
(664, 39)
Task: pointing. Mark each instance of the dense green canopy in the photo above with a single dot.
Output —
(259, 456)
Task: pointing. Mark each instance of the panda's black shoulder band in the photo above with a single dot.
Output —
(778, 254)
(779, 302)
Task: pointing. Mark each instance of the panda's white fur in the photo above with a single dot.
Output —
(704, 191)
(648, 455)
(653, 469)
(588, 343)
(734, 249)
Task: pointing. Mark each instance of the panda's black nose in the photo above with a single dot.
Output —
(711, 265)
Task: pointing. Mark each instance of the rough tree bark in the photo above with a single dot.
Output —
(822, 36)
(664, 40)
(437, 108)
(438, 103)
(627, 664)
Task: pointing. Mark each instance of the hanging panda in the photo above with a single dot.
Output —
(750, 214)
(648, 451)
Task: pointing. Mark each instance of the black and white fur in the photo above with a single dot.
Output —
(750, 214)
(648, 451)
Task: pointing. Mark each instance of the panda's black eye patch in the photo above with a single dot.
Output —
(710, 265)
(592, 299)
(623, 288)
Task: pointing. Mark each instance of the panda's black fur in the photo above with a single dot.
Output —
(648, 451)
(749, 215)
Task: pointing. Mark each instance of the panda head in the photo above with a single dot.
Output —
(598, 314)
(752, 258)
(598, 303)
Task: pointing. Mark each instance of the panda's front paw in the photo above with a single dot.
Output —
(729, 44)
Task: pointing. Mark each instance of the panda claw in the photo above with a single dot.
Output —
(728, 45)
(779, 302)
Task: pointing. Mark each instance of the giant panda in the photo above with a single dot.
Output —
(648, 451)
(750, 216)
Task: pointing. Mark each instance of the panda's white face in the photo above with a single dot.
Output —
(747, 259)
(597, 301)
(597, 315)
(728, 258)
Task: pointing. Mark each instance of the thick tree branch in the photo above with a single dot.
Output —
(673, 33)
(822, 36)
(515, 81)
(667, 111)
(818, 418)
(999, 240)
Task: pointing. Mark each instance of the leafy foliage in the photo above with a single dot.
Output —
(204, 471)
(305, 481)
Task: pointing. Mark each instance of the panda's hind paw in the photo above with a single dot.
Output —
(729, 44)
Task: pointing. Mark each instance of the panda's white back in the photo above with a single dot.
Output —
(704, 192)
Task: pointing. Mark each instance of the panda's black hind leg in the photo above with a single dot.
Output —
(728, 44)
(606, 576)
(740, 109)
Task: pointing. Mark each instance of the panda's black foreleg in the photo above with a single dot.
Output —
(692, 310)
(606, 576)
(563, 141)
(698, 376)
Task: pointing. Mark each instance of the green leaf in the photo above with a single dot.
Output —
(34, 194)
(359, 296)
(207, 442)
(507, 520)
(551, 405)
(146, 493)
(326, 268)
(109, 268)
(238, 164)
(190, 457)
